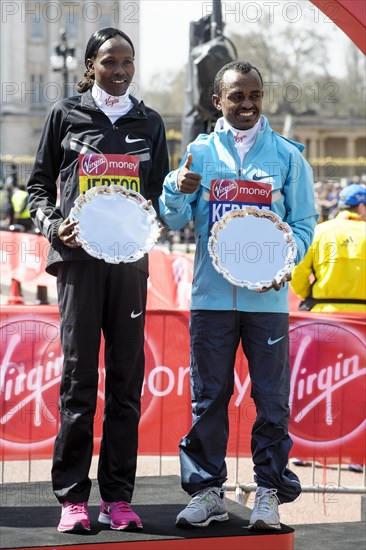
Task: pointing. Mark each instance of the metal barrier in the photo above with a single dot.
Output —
(243, 490)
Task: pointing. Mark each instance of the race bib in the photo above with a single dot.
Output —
(227, 195)
(97, 169)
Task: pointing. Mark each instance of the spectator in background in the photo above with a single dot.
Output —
(7, 210)
(4, 203)
(327, 199)
(355, 179)
(332, 275)
(19, 202)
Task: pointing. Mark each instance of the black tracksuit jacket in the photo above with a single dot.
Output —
(77, 126)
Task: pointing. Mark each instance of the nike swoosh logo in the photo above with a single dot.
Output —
(258, 178)
(130, 140)
(134, 315)
(271, 342)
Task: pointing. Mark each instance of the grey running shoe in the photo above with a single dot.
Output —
(206, 506)
(265, 512)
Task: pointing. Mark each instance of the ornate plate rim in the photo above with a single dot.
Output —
(288, 236)
(134, 198)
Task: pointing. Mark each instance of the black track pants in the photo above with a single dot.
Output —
(95, 296)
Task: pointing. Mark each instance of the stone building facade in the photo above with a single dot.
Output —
(29, 31)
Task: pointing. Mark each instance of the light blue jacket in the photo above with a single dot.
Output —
(272, 159)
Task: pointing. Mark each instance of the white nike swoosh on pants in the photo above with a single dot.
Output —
(134, 315)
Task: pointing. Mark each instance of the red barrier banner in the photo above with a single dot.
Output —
(327, 386)
(170, 280)
(328, 390)
(23, 257)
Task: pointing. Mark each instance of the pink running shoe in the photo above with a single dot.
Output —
(119, 515)
(74, 517)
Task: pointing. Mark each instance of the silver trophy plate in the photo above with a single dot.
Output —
(115, 225)
(252, 247)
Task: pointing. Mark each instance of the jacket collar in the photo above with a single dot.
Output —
(223, 133)
(138, 110)
(220, 125)
(225, 136)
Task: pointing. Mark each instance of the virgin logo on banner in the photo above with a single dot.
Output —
(327, 386)
(31, 365)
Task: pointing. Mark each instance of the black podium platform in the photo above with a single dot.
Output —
(29, 516)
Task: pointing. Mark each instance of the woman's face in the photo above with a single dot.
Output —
(113, 66)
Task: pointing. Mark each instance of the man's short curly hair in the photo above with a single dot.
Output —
(242, 67)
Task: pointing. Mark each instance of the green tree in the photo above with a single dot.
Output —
(293, 64)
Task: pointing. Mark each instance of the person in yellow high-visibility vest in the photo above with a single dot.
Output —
(19, 201)
(332, 275)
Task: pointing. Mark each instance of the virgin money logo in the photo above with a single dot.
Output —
(327, 383)
(225, 190)
(94, 165)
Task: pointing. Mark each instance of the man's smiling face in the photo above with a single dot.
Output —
(240, 100)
